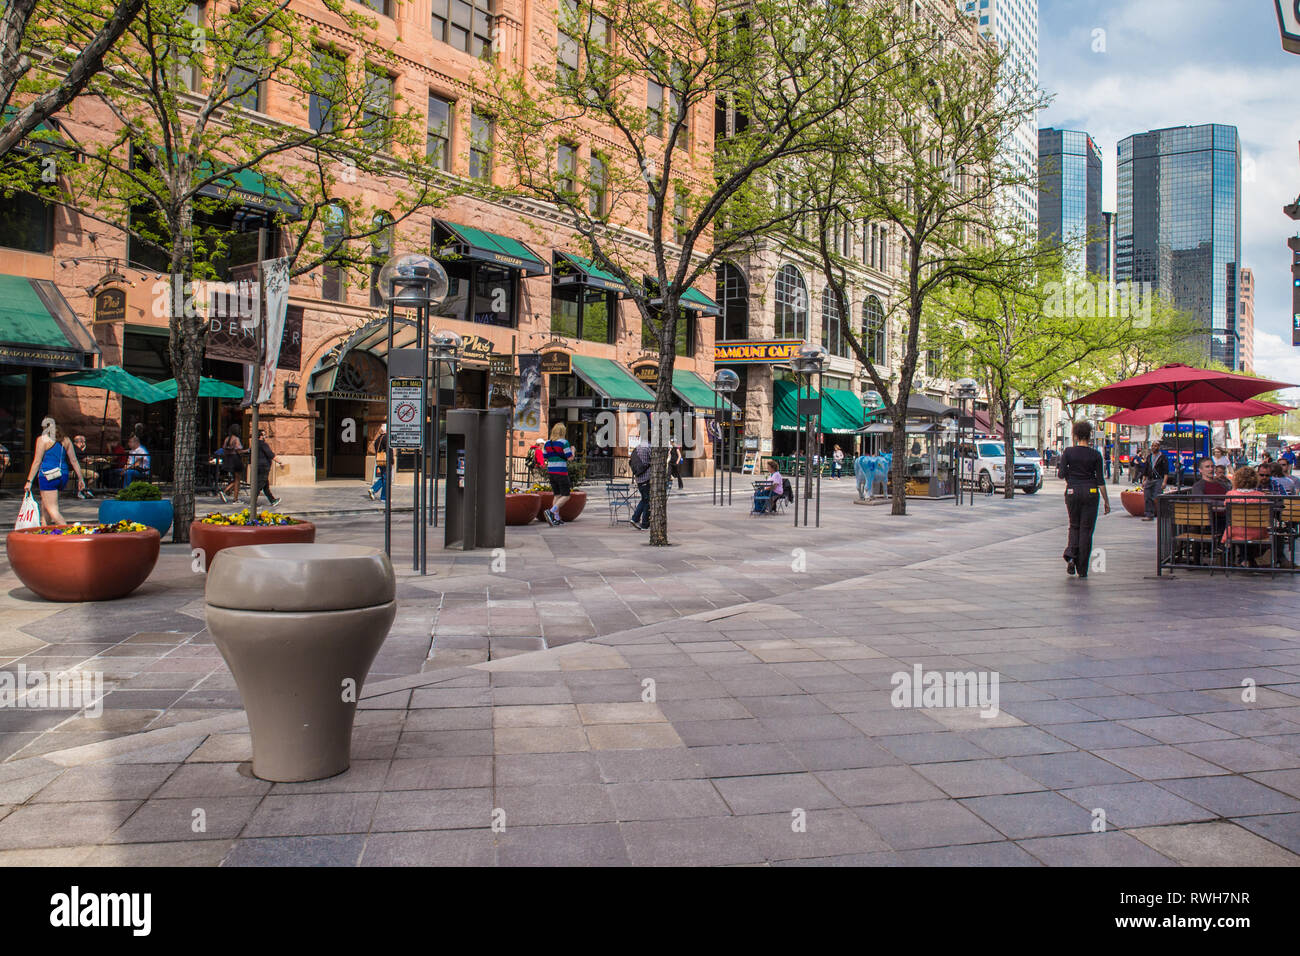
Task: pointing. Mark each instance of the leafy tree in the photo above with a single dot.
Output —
(922, 155)
(188, 88)
(653, 192)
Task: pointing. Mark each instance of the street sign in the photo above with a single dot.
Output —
(405, 413)
(1288, 21)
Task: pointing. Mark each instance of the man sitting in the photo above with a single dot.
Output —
(137, 462)
(1206, 483)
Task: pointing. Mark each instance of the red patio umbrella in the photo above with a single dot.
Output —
(1199, 412)
(1179, 386)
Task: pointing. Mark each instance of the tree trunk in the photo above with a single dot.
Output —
(659, 433)
(898, 467)
(1008, 445)
(186, 346)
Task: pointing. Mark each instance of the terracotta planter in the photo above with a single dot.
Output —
(522, 508)
(1134, 501)
(83, 567)
(212, 539)
(547, 499)
(573, 507)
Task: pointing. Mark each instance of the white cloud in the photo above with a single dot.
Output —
(1277, 360)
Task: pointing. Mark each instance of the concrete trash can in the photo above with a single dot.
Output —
(299, 626)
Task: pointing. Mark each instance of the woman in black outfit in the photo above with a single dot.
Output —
(1084, 472)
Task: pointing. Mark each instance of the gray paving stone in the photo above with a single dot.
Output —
(740, 759)
(623, 766)
(932, 748)
(1243, 755)
(815, 834)
(208, 779)
(598, 844)
(1112, 848)
(1074, 769)
(1023, 815)
(973, 854)
(1129, 805)
(556, 804)
(1016, 741)
(64, 824)
(847, 753)
(431, 848)
(1159, 763)
(432, 810)
(774, 793)
(977, 778)
(1177, 730)
(879, 785)
(666, 799)
(712, 841)
(1101, 734)
(1229, 796)
(312, 814)
(297, 851)
(1280, 828)
(927, 823)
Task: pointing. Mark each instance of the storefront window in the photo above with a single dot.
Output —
(494, 296)
(25, 224)
(733, 323)
(791, 304)
(685, 335)
(583, 312)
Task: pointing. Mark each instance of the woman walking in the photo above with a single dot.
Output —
(380, 486)
(1084, 472)
(232, 462)
(51, 460)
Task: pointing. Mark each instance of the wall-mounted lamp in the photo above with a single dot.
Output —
(290, 393)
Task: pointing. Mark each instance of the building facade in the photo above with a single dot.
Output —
(1013, 25)
(518, 286)
(1069, 198)
(1178, 225)
(1246, 321)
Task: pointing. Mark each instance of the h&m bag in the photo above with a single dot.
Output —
(29, 515)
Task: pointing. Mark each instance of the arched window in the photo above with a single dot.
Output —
(791, 304)
(381, 250)
(733, 295)
(873, 330)
(833, 325)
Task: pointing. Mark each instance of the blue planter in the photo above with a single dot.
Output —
(155, 514)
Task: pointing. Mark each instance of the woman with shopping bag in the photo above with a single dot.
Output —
(51, 460)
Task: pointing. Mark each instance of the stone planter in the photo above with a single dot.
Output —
(299, 626)
(522, 508)
(212, 539)
(573, 507)
(1134, 501)
(155, 514)
(82, 567)
(547, 499)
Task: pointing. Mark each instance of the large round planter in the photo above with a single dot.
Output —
(573, 507)
(155, 514)
(212, 539)
(522, 508)
(83, 567)
(547, 499)
(1134, 501)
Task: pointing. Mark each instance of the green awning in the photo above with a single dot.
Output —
(38, 327)
(613, 382)
(247, 187)
(44, 138)
(696, 392)
(697, 301)
(835, 418)
(574, 268)
(848, 403)
(485, 246)
(208, 388)
(114, 378)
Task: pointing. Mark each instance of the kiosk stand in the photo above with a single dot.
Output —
(476, 479)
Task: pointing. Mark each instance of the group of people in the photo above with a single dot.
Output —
(230, 462)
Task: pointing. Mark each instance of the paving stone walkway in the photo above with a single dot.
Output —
(728, 700)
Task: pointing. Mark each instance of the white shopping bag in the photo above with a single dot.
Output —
(29, 515)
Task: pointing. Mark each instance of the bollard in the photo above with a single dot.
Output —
(299, 626)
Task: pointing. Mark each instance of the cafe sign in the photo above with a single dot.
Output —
(647, 373)
(756, 353)
(476, 348)
(110, 306)
(556, 363)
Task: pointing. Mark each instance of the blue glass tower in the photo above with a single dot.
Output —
(1178, 225)
(1069, 198)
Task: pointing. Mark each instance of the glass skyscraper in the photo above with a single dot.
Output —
(1178, 225)
(1069, 198)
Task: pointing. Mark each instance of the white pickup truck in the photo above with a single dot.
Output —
(984, 465)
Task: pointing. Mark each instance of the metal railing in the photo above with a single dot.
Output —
(1251, 533)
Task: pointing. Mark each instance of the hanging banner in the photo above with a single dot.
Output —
(275, 279)
(291, 340)
(528, 406)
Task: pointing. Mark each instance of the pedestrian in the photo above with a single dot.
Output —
(639, 461)
(52, 458)
(1157, 477)
(837, 462)
(1220, 458)
(380, 485)
(231, 457)
(675, 459)
(266, 457)
(1085, 484)
(137, 462)
(558, 451)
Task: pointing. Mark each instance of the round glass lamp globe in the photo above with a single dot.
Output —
(447, 341)
(412, 280)
(810, 358)
(872, 399)
(726, 381)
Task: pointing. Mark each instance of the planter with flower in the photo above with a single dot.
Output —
(142, 502)
(1134, 501)
(213, 533)
(521, 506)
(95, 562)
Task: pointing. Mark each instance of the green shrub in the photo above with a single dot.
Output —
(140, 491)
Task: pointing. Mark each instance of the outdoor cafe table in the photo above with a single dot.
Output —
(1283, 524)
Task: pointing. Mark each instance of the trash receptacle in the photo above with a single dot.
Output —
(299, 626)
(476, 479)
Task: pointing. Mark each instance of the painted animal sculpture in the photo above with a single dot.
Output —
(871, 470)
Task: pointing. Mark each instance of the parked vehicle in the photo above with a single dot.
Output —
(984, 466)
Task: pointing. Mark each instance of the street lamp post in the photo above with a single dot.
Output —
(967, 392)
(725, 383)
(416, 282)
(808, 363)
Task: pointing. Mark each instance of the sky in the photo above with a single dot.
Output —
(1119, 67)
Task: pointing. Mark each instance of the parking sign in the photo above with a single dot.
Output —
(405, 413)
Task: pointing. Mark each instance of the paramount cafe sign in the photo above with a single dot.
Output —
(768, 352)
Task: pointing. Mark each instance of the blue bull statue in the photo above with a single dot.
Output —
(870, 471)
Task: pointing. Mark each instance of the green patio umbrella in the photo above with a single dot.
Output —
(114, 378)
(208, 388)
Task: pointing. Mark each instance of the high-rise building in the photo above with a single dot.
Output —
(1069, 198)
(1246, 321)
(1013, 25)
(1178, 225)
